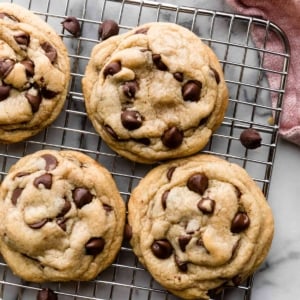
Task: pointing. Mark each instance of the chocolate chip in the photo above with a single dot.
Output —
(72, 25)
(22, 174)
(39, 224)
(22, 39)
(15, 195)
(182, 266)
(46, 294)
(50, 51)
(45, 180)
(94, 246)
(250, 138)
(61, 222)
(164, 199)
(6, 65)
(162, 249)
(29, 66)
(48, 94)
(128, 232)
(237, 280)
(131, 119)
(206, 205)
(198, 183)
(216, 75)
(4, 92)
(159, 63)
(183, 241)
(172, 137)
(112, 68)
(81, 197)
(67, 206)
(142, 31)
(178, 76)
(240, 222)
(51, 162)
(191, 90)
(170, 173)
(107, 29)
(144, 141)
(203, 121)
(130, 88)
(107, 207)
(34, 101)
(111, 132)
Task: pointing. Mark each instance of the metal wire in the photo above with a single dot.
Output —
(250, 106)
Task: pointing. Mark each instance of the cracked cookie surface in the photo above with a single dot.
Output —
(62, 217)
(155, 93)
(198, 224)
(34, 74)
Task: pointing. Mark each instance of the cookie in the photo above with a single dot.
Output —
(198, 224)
(34, 74)
(62, 217)
(154, 93)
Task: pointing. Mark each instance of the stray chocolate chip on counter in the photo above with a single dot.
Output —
(250, 138)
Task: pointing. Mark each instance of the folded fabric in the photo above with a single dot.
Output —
(286, 15)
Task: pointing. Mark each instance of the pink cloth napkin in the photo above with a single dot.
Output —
(286, 14)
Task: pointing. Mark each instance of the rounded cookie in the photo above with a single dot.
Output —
(198, 224)
(34, 74)
(154, 93)
(62, 217)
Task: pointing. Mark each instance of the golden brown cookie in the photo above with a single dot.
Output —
(62, 217)
(154, 93)
(199, 223)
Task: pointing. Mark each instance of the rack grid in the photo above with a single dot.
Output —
(250, 105)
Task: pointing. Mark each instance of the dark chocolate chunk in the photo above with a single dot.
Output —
(250, 138)
(159, 63)
(51, 162)
(22, 39)
(183, 241)
(4, 92)
(216, 75)
(162, 249)
(39, 224)
(61, 222)
(130, 88)
(81, 197)
(94, 246)
(240, 222)
(112, 68)
(34, 101)
(178, 76)
(206, 205)
(29, 66)
(107, 29)
(198, 183)
(6, 66)
(48, 94)
(182, 266)
(46, 294)
(72, 25)
(164, 198)
(142, 31)
(172, 137)
(15, 195)
(131, 119)
(50, 51)
(67, 206)
(144, 141)
(111, 132)
(191, 90)
(45, 180)
(107, 207)
(127, 232)
(170, 173)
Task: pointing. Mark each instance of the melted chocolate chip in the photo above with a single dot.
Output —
(107, 29)
(4, 92)
(178, 76)
(183, 241)
(172, 137)
(159, 63)
(240, 222)
(50, 51)
(142, 31)
(191, 90)
(112, 68)
(162, 249)
(67, 206)
(170, 173)
(22, 39)
(46, 294)
(216, 75)
(182, 266)
(29, 66)
(111, 132)
(72, 25)
(131, 119)
(48, 94)
(15, 195)
(34, 101)
(45, 180)
(144, 141)
(164, 198)
(130, 88)
(107, 207)
(51, 162)
(81, 197)
(198, 183)
(6, 66)
(61, 222)
(206, 205)
(127, 232)
(22, 174)
(250, 138)
(39, 224)
(94, 246)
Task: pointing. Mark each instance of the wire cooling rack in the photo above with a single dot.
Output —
(250, 106)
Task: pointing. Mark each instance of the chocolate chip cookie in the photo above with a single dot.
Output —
(62, 217)
(154, 93)
(34, 74)
(198, 224)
